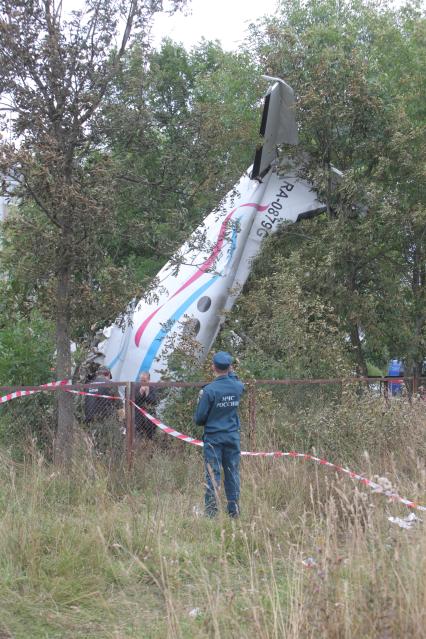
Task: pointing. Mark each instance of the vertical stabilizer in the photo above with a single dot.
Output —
(278, 125)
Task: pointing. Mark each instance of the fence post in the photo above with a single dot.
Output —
(386, 390)
(252, 413)
(130, 420)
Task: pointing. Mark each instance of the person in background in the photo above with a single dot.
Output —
(145, 397)
(217, 411)
(102, 415)
(99, 408)
(395, 369)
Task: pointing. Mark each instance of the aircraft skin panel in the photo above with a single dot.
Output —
(289, 198)
(209, 280)
(206, 268)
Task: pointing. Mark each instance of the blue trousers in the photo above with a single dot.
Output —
(222, 450)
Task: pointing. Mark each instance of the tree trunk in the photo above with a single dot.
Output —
(418, 285)
(65, 431)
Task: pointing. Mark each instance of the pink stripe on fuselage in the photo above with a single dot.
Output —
(203, 268)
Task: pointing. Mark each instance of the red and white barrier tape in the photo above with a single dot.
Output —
(376, 487)
(9, 396)
(168, 430)
(76, 392)
(64, 382)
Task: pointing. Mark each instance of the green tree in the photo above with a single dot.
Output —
(180, 136)
(54, 75)
(283, 332)
(356, 70)
(26, 351)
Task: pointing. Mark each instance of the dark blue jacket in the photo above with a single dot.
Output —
(218, 402)
(99, 407)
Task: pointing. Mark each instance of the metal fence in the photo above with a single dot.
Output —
(108, 412)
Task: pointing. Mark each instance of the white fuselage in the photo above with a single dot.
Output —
(190, 300)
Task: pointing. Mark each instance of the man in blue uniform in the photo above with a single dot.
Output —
(217, 411)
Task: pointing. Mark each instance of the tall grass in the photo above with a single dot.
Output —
(104, 553)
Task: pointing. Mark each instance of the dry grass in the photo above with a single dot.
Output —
(104, 554)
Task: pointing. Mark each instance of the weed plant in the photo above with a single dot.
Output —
(103, 552)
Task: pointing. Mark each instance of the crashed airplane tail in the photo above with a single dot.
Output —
(209, 270)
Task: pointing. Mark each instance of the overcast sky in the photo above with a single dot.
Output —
(224, 20)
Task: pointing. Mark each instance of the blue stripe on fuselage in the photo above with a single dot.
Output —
(162, 333)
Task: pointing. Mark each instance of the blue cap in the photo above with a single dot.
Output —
(222, 360)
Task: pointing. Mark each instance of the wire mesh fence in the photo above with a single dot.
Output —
(291, 413)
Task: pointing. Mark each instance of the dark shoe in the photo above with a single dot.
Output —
(233, 510)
